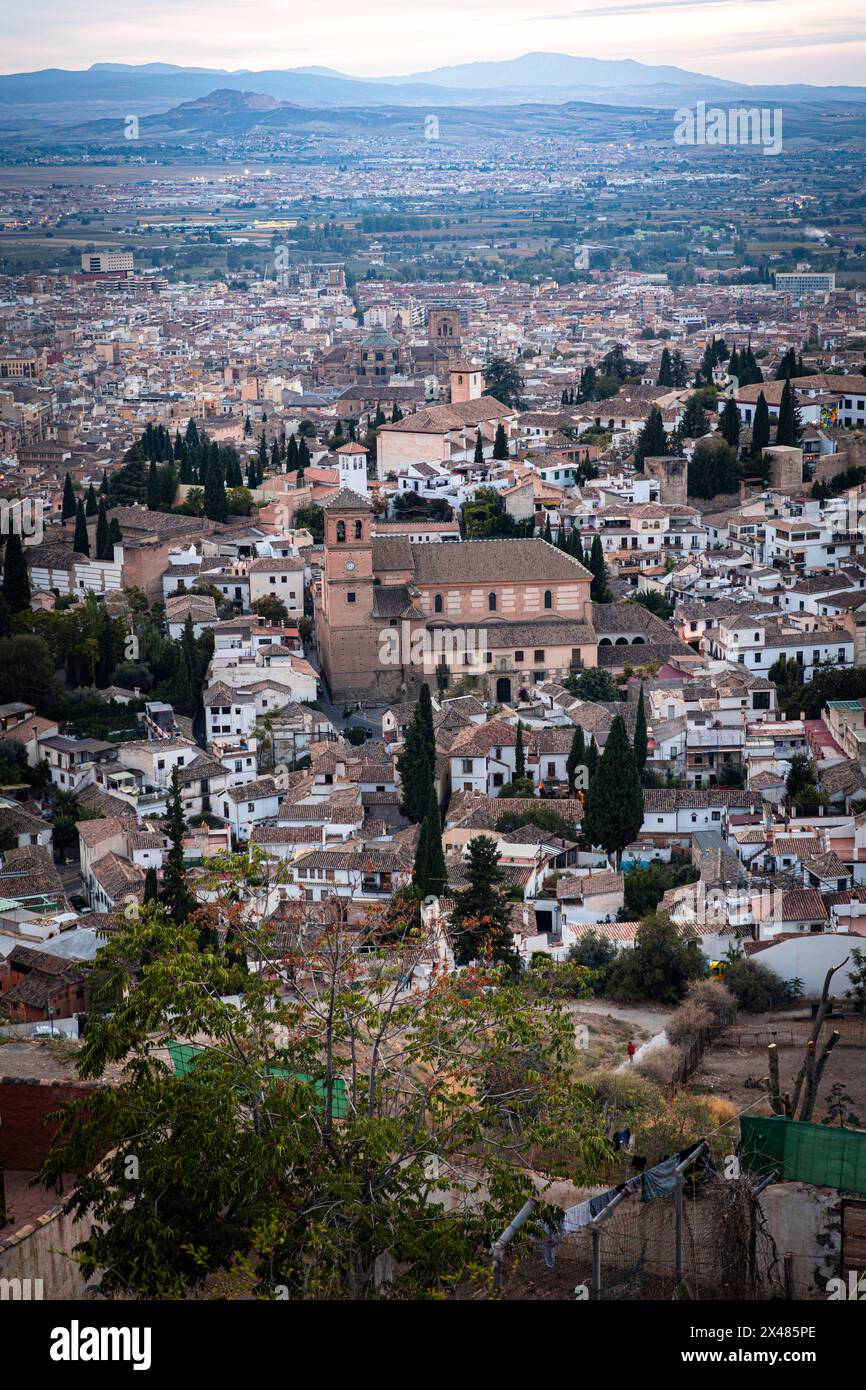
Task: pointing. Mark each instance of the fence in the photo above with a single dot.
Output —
(713, 1243)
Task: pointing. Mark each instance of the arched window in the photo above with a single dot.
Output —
(548, 599)
(341, 532)
(491, 602)
(359, 530)
(437, 603)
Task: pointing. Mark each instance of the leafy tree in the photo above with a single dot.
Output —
(503, 381)
(614, 805)
(655, 602)
(290, 1164)
(660, 966)
(480, 919)
(272, 608)
(712, 469)
(597, 954)
(644, 888)
(594, 684)
(801, 774)
(311, 519)
(755, 988)
(16, 580)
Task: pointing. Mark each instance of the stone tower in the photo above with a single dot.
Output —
(671, 474)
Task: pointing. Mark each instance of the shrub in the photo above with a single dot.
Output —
(659, 967)
(755, 988)
(690, 1019)
(658, 1066)
(715, 997)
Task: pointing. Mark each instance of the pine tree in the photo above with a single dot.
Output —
(614, 806)
(665, 376)
(500, 443)
(80, 543)
(760, 426)
(90, 503)
(480, 920)
(68, 508)
(104, 550)
(652, 441)
(519, 755)
(479, 448)
(576, 757)
(730, 423)
(16, 581)
(641, 740)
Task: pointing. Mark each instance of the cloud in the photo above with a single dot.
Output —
(643, 6)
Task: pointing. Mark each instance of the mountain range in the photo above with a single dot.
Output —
(58, 96)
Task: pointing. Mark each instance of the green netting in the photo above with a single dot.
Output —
(819, 1154)
(184, 1056)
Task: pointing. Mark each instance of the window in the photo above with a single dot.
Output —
(538, 656)
(350, 597)
(491, 602)
(518, 656)
(341, 532)
(359, 530)
(548, 599)
(437, 603)
(467, 764)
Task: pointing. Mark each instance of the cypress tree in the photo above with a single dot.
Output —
(480, 920)
(591, 760)
(788, 428)
(500, 443)
(178, 900)
(547, 533)
(614, 805)
(425, 722)
(760, 425)
(115, 535)
(216, 505)
(430, 872)
(730, 423)
(151, 892)
(576, 757)
(652, 441)
(599, 592)
(16, 581)
(154, 496)
(104, 550)
(519, 755)
(479, 448)
(80, 543)
(90, 504)
(413, 765)
(68, 508)
(665, 376)
(103, 486)
(640, 734)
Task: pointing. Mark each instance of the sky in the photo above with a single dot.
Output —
(748, 40)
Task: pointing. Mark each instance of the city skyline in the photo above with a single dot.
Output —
(764, 41)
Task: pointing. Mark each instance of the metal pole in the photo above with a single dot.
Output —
(508, 1235)
(596, 1264)
(678, 1229)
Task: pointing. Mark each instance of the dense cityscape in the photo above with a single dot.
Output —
(432, 690)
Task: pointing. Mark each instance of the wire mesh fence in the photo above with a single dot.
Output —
(725, 1250)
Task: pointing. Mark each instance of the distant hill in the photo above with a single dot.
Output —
(59, 96)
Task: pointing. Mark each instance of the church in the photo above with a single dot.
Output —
(391, 613)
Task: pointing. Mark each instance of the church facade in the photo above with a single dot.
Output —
(391, 613)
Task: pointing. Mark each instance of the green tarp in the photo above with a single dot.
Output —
(183, 1056)
(821, 1154)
